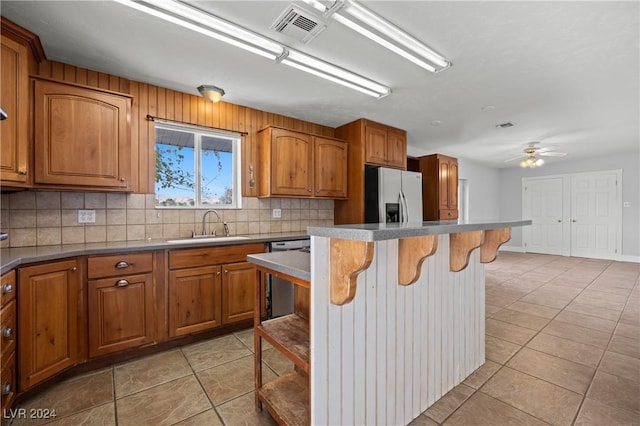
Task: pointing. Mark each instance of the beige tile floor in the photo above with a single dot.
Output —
(562, 348)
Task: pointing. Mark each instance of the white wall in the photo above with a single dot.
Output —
(510, 192)
(484, 190)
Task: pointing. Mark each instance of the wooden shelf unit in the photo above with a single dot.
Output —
(288, 397)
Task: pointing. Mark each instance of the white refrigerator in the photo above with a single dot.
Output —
(392, 195)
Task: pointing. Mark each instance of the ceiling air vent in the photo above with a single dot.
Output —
(298, 24)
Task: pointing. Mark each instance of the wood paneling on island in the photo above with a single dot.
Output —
(173, 105)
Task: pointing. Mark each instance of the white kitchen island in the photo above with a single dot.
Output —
(396, 316)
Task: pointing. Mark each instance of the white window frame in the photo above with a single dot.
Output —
(236, 163)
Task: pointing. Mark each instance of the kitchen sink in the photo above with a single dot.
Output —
(206, 240)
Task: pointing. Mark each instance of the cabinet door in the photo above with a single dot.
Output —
(238, 292)
(81, 136)
(375, 145)
(194, 300)
(47, 320)
(396, 150)
(453, 186)
(291, 163)
(443, 184)
(121, 312)
(330, 168)
(14, 92)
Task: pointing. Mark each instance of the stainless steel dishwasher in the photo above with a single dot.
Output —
(279, 291)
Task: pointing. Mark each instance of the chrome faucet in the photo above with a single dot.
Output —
(204, 224)
(226, 229)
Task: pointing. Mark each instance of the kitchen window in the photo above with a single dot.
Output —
(196, 167)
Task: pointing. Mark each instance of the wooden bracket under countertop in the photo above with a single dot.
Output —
(348, 258)
(493, 239)
(411, 253)
(461, 244)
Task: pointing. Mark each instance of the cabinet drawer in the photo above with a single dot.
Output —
(8, 286)
(8, 329)
(8, 384)
(206, 256)
(126, 264)
(447, 214)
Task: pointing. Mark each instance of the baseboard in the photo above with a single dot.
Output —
(517, 249)
(629, 258)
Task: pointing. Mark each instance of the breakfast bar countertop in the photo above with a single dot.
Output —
(391, 231)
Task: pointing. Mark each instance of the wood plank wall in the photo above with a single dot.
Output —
(174, 105)
(394, 350)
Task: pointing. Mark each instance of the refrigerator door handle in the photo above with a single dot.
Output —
(404, 207)
(401, 205)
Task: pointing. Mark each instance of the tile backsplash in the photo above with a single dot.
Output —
(40, 218)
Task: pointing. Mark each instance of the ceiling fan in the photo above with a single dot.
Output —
(532, 153)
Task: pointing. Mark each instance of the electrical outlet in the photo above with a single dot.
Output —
(626, 204)
(86, 216)
(277, 213)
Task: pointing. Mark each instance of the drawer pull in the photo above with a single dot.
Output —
(7, 288)
(7, 332)
(7, 388)
(122, 283)
(122, 264)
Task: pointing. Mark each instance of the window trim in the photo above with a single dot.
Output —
(236, 163)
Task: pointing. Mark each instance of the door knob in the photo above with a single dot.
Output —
(559, 220)
(574, 221)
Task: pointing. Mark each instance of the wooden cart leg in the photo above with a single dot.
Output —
(257, 340)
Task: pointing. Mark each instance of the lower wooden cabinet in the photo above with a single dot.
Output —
(238, 293)
(210, 287)
(194, 300)
(8, 329)
(121, 313)
(48, 300)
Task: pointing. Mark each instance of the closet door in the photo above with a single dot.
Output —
(543, 204)
(595, 215)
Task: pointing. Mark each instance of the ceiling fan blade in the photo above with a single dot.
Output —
(551, 154)
(514, 158)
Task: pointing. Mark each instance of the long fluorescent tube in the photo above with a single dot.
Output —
(334, 73)
(197, 20)
(209, 25)
(383, 26)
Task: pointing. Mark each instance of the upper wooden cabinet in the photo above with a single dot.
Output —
(439, 187)
(385, 146)
(21, 51)
(369, 143)
(296, 164)
(82, 137)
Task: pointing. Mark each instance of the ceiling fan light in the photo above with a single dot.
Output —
(539, 162)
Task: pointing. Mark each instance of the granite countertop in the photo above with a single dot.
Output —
(13, 257)
(295, 263)
(392, 231)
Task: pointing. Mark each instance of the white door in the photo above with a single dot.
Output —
(594, 215)
(543, 202)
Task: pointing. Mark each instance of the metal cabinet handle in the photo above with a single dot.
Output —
(217, 273)
(7, 388)
(73, 269)
(22, 172)
(7, 332)
(7, 288)
(226, 271)
(308, 189)
(122, 283)
(122, 264)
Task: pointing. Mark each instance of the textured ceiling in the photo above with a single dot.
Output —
(565, 73)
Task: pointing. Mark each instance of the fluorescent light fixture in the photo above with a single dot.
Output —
(407, 46)
(334, 73)
(204, 23)
(316, 5)
(209, 25)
